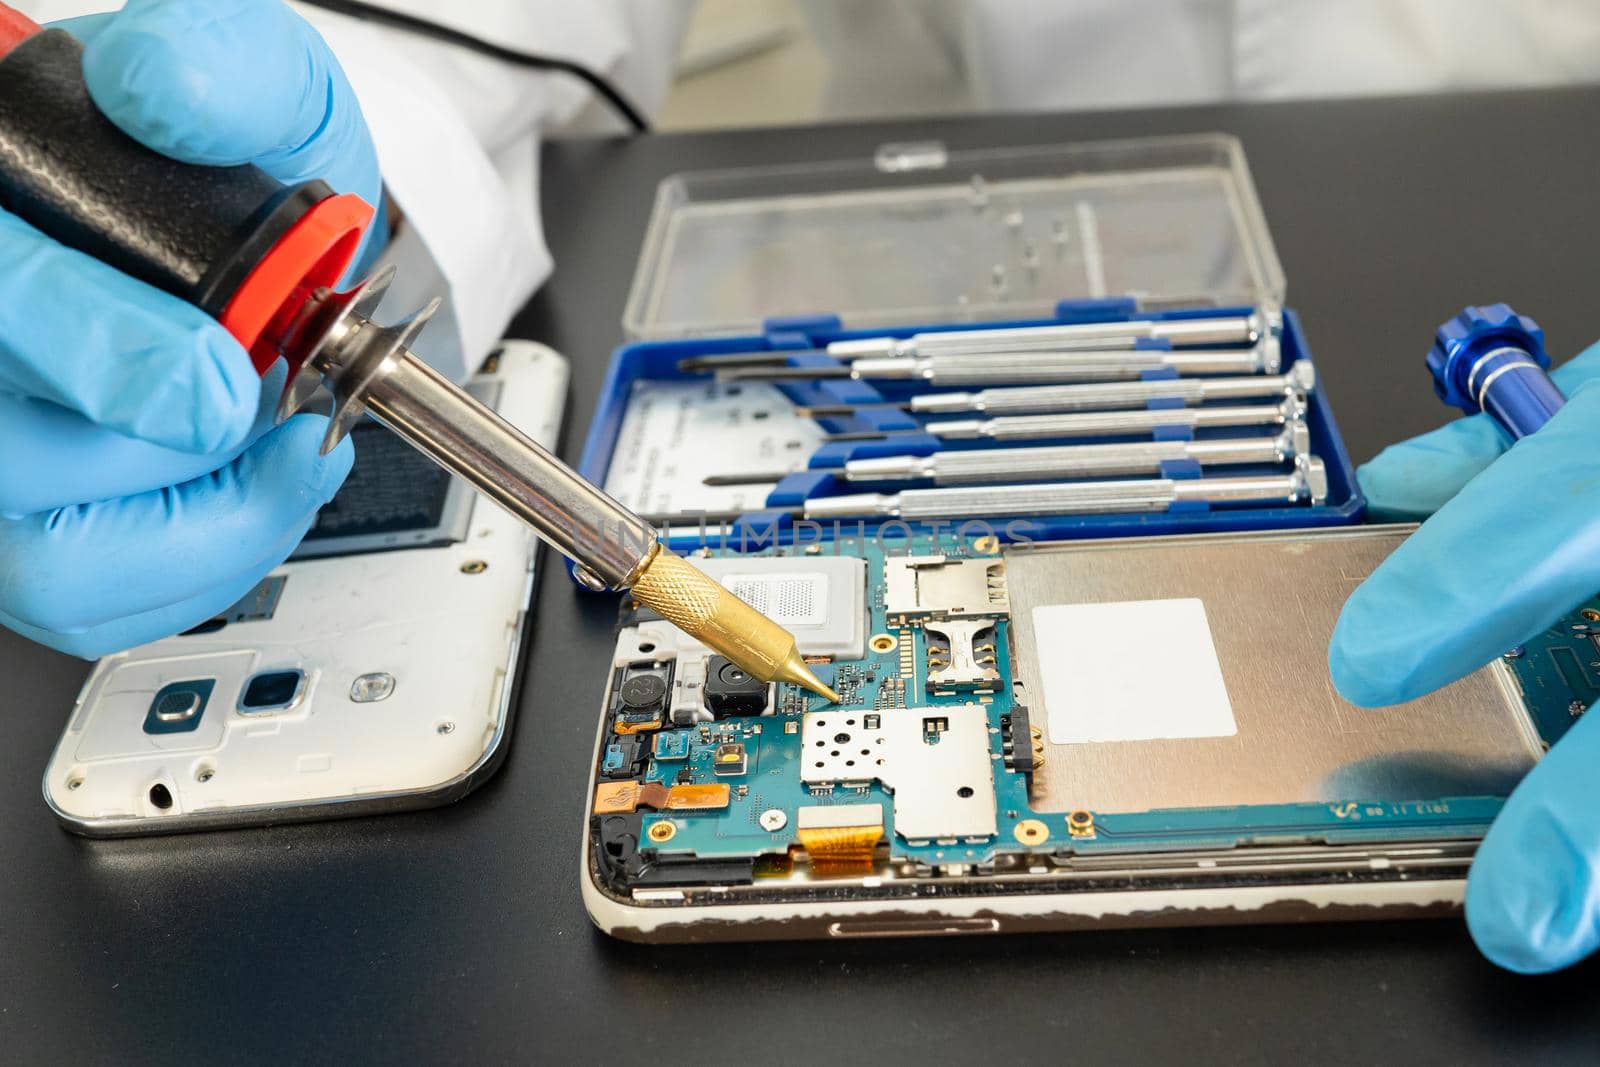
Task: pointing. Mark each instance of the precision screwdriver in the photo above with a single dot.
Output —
(1043, 463)
(1100, 423)
(1307, 482)
(1063, 462)
(262, 259)
(1042, 367)
(1262, 326)
(1094, 396)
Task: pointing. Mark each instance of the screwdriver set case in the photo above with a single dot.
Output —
(768, 268)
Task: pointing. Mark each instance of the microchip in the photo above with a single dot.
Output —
(821, 600)
(672, 745)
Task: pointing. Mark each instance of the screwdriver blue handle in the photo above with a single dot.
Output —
(1493, 360)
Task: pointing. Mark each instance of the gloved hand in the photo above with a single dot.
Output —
(1513, 543)
(143, 488)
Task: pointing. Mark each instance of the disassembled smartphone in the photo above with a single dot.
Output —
(372, 672)
(1124, 732)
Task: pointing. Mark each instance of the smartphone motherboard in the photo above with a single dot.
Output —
(1129, 731)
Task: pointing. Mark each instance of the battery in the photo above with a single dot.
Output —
(1192, 673)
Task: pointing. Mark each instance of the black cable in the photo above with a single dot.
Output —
(412, 24)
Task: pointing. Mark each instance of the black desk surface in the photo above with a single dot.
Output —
(459, 932)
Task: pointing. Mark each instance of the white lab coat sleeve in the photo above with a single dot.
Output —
(470, 229)
(458, 137)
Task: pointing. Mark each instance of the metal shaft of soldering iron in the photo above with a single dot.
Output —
(1044, 367)
(607, 540)
(613, 547)
(987, 466)
(1094, 396)
(1103, 423)
(1177, 333)
(1307, 482)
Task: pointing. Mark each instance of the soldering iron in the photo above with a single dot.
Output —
(263, 259)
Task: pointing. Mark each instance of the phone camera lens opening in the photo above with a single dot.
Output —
(271, 690)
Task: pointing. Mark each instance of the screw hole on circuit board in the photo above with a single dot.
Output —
(1591, 614)
(883, 643)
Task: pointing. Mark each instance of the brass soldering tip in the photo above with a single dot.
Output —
(702, 608)
(794, 670)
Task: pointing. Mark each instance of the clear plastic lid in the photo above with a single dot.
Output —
(921, 235)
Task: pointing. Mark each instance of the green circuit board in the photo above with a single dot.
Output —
(1559, 671)
(757, 828)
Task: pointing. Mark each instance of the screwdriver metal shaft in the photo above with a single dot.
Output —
(1104, 423)
(1263, 324)
(1041, 367)
(1094, 396)
(1307, 482)
(1066, 462)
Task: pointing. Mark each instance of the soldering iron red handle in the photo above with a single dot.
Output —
(14, 28)
(234, 241)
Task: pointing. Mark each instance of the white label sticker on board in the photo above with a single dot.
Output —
(1134, 670)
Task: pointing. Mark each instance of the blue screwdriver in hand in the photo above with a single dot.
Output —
(1491, 359)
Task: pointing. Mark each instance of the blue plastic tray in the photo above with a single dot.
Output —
(764, 528)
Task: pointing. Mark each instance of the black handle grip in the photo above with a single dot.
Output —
(194, 231)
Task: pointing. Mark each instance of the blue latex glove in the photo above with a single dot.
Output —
(1513, 544)
(143, 488)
